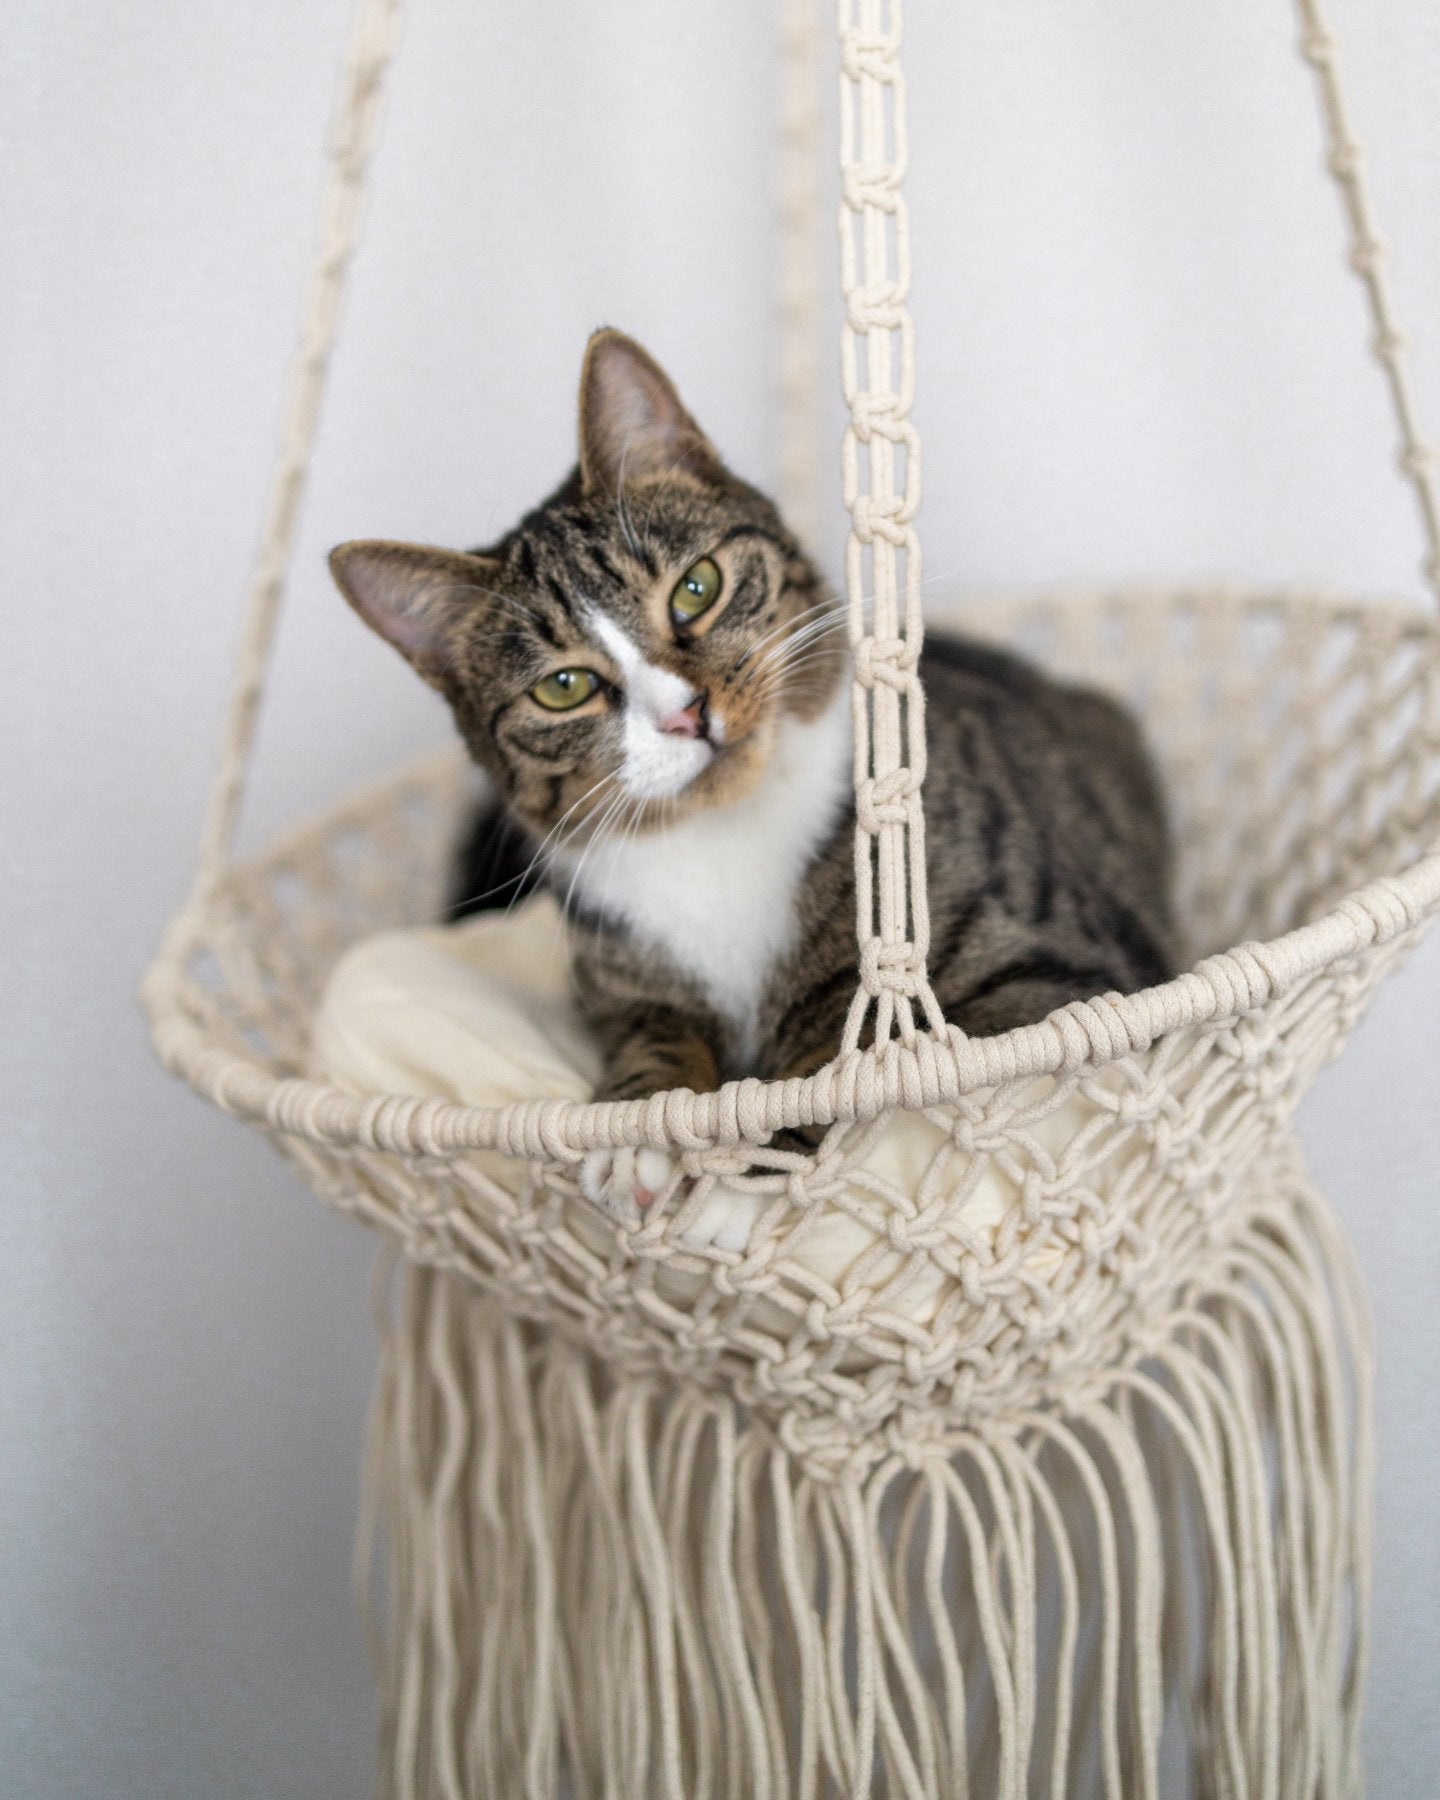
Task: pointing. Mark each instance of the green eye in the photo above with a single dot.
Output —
(696, 591)
(566, 689)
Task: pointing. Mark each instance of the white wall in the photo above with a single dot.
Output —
(1138, 356)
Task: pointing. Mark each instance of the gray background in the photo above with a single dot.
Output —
(1139, 356)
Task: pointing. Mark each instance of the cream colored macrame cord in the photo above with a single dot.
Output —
(880, 470)
(801, 384)
(616, 1580)
(1369, 257)
(357, 120)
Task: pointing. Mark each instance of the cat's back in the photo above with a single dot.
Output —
(1046, 833)
(994, 720)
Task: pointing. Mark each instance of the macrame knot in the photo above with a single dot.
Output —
(884, 516)
(1249, 1041)
(886, 800)
(1370, 254)
(879, 415)
(878, 306)
(1090, 1031)
(1345, 159)
(869, 55)
(889, 967)
(871, 814)
(885, 662)
(1319, 44)
(867, 185)
(1386, 910)
(1417, 460)
(1138, 1105)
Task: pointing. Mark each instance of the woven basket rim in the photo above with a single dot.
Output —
(932, 1069)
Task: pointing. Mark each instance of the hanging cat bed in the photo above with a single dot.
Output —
(701, 1521)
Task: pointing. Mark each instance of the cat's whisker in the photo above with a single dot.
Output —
(470, 901)
(838, 620)
(624, 832)
(597, 837)
(807, 634)
(599, 829)
(836, 607)
(789, 656)
(781, 679)
(791, 624)
(778, 681)
(831, 621)
(554, 835)
(817, 630)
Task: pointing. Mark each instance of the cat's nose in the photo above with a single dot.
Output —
(691, 721)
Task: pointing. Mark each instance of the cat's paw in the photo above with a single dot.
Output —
(624, 1183)
(724, 1220)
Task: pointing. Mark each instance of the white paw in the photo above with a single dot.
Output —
(725, 1219)
(624, 1183)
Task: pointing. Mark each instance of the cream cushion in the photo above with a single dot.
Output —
(480, 1013)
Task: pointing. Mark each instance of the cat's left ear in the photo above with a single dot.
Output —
(413, 596)
(633, 423)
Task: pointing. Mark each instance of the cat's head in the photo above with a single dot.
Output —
(626, 654)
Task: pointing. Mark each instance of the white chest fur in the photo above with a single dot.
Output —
(716, 892)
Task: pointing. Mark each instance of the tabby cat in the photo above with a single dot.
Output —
(656, 678)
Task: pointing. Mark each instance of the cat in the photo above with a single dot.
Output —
(656, 678)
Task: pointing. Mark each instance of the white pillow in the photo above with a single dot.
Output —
(480, 1013)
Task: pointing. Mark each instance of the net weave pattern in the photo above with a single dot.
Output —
(1306, 758)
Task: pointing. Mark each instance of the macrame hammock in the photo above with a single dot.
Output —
(662, 1521)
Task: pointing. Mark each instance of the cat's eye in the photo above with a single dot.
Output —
(696, 591)
(566, 689)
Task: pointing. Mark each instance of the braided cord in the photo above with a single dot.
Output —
(880, 465)
(1369, 257)
(801, 381)
(371, 49)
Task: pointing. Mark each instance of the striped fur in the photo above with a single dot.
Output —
(714, 918)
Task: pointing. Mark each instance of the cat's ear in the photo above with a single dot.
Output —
(414, 596)
(633, 424)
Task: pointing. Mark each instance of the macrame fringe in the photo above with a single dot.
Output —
(609, 1586)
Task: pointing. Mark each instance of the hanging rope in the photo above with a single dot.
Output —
(357, 117)
(802, 384)
(1369, 257)
(880, 464)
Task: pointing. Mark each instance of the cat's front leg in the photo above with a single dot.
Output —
(625, 1183)
(804, 1035)
(648, 1049)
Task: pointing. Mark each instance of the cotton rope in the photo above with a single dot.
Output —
(880, 472)
(1000, 1619)
(802, 383)
(357, 120)
(657, 1523)
(1369, 257)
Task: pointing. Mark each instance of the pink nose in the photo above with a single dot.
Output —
(690, 721)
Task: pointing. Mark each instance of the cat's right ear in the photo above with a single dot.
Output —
(412, 595)
(633, 424)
